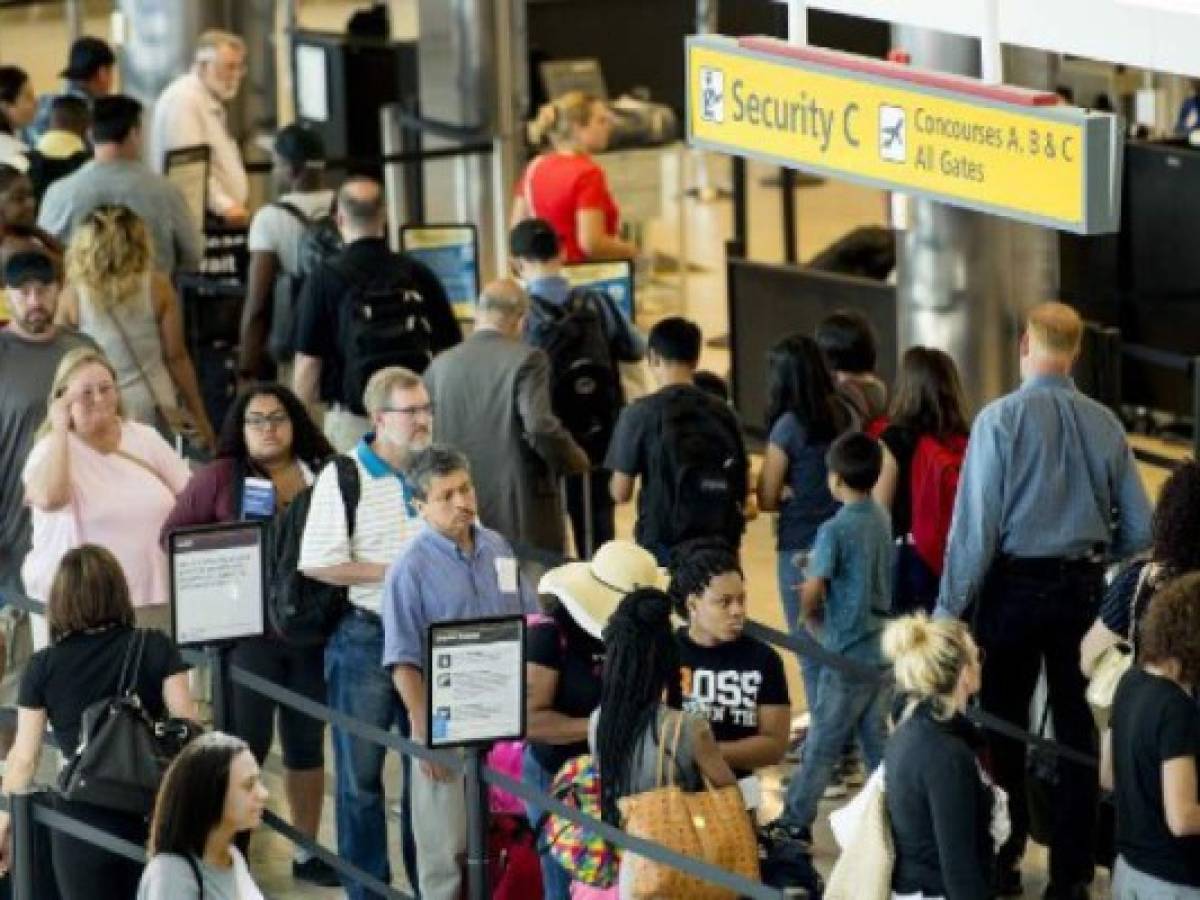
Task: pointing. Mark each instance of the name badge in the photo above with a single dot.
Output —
(258, 498)
(506, 574)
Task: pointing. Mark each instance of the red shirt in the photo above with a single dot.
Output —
(561, 184)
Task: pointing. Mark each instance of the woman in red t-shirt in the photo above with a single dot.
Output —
(566, 187)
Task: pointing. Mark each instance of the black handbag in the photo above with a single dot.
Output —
(123, 751)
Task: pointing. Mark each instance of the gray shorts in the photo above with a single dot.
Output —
(1131, 884)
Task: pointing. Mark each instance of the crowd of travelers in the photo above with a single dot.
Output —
(409, 475)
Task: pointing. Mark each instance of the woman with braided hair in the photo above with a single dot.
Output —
(639, 709)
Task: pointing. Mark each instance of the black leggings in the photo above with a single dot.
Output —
(86, 872)
(301, 669)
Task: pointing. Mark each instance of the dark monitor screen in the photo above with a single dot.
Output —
(1162, 183)
(768, 302)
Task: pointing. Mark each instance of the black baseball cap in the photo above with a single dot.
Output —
(88, 56)
(299, 146)
(29, 265)
(533, 239)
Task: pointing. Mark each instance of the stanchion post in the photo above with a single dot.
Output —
(477, 826)
(218, 661)
(22, 844)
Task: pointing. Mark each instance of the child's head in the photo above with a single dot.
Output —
(853, 461)
(848, 342)
(674, 341)
(1169, 635)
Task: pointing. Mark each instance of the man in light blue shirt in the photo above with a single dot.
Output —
(1049, 490)
(453, 569)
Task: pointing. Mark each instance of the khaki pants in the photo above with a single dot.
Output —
(439, 820)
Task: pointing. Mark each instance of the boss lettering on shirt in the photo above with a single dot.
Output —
(722, 696)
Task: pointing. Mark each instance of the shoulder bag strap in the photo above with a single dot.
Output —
(664, 774)
(127, 683)
(137, 363)
(528, 191)
(195, 866)
(138, 461)
(1149, 571)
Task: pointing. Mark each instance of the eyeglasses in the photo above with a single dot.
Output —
(262, 423)
(414, 411)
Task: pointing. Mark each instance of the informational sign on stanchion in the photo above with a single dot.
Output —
(475, 682)
(218, 583)
(474, 696)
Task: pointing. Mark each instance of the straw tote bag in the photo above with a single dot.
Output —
(710, 825)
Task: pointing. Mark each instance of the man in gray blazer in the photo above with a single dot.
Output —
(492, 396)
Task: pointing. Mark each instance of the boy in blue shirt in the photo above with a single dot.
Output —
(845, 596)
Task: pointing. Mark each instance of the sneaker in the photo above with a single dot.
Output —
(835, 790)
(315, 870)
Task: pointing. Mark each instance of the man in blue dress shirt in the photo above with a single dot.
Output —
(1049, 491)
(454, 568)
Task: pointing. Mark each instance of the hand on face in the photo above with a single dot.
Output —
(89, 403)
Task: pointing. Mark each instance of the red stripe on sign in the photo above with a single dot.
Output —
(865, 65)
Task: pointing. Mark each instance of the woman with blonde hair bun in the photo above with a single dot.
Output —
(566, 187)
(133, 313)
(940, 803)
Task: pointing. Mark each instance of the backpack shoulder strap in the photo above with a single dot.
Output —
(350, 488)
(294, 211)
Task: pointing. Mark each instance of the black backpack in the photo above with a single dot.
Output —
(320, 241)
(585, 389)
(302, 611)
(702, 470)
(384, 322)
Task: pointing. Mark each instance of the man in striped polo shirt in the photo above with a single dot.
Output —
(386, 518)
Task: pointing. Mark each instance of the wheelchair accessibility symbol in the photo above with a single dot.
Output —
(893, 141)
(712, 95)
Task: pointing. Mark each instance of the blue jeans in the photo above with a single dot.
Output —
(842, 708)
(360, 687)
(556, 883)
(790, 572)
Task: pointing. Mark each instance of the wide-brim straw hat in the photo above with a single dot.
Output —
(591, 591)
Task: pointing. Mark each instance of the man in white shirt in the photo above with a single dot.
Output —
(191, 112)
(332, 551)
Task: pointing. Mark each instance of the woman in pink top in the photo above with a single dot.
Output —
(95, 478)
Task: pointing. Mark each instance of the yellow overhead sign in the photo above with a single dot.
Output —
(949, 139)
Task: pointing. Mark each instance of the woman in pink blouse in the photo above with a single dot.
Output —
(94, 477)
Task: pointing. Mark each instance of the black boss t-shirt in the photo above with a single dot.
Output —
(578, 658)
(1153, 721)
(66, 678)
(728, 683)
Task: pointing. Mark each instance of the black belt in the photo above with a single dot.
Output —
(1049, 566)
